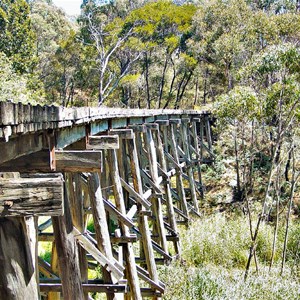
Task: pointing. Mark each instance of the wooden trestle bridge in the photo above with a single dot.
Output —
(137, 173)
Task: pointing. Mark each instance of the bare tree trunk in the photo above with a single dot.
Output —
(237, 163)
(147, 80)
(295, 178)
(171, 86)
(205, 86)
(277, 192)
(196, 91)
(162, 83)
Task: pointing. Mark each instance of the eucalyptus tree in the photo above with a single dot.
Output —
(56, 64)
(274, 73)
(105, 29)
(17, 38)
(163, 28)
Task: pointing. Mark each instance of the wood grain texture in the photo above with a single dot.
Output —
(31, 196)
(65, 160)
(17, 276)
(103, 142)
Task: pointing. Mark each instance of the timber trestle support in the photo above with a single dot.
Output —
(104, 190)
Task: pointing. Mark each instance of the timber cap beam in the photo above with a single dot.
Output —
(175, 121)
(137, 128)
(36, 196)
(152, 126)
(103, 142)
(65, 161)
(163, 122)
(124, 134)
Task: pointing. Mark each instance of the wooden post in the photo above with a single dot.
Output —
(73, 182)
(198, 155)
(31, 226)
(143, 220)
(67, 251)
(156, 201)
(128, 249)
(201, 137)
(166, 184)
(208, 133)
(180, 186)
(100, 223)
(17, 276)
(191, 179)
(55, 269)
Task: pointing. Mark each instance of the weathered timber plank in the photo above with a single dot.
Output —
(103, 142)
(137, 128)
(142, 220)
(78, 161)
(66, 161)
(167, 189)
(49, 237)
(156, 201)
(143, 274)
(186, 141)
(14, 113)
(113, 210)
(31, 196)
(123, 133)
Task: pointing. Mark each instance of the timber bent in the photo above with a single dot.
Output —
(136, 173)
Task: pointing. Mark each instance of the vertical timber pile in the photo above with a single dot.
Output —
(156, 198)
(178, 167)
(137, 179)
(166, 182)
(142, 217)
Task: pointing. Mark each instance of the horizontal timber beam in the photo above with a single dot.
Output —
(103, 142)
(65, 161)
(31, 196)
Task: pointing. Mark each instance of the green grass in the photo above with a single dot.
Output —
(214, 255)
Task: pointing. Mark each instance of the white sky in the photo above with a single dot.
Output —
(71, 7)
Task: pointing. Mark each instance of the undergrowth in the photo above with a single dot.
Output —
(214, 255)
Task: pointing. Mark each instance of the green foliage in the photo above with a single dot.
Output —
(90, 225)
(240, 104)
(16, 87)
(17, 39)
(45, 251)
